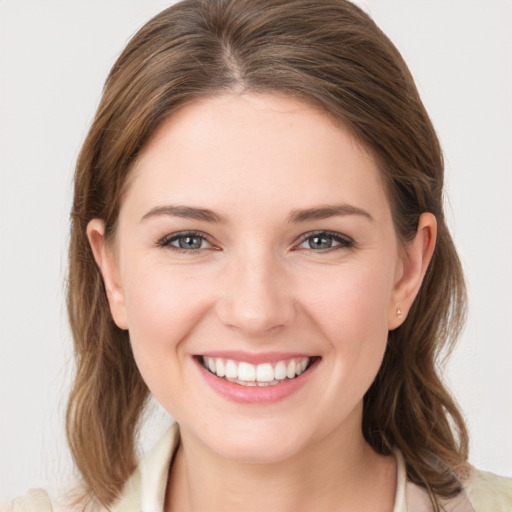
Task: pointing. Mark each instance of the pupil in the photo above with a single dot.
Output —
(190, 242)
(320, 242)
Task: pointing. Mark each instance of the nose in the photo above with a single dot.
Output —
(256, 296)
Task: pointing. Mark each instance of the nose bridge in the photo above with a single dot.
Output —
(256, 297)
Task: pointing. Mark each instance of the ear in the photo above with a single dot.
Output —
(106, 260)
(411, 269)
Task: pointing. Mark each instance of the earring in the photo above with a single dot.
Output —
(399, 313)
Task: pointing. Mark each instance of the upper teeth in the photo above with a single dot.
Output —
(250, 374)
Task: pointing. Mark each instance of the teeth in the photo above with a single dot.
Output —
(231, 369)
(280, 371)
(220, 370)
(264, 373)
(290, 369)
(247, 374)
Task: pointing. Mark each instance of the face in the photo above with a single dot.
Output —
(257, 270)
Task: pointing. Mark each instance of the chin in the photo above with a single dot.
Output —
(247, 452)
(258, 444)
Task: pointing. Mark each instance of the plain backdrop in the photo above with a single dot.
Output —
(54, 57)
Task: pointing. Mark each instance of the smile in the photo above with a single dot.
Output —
(267, 378)
(263, 374)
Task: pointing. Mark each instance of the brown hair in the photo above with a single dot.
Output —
(328, 53)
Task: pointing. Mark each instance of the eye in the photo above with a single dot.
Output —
(185, 241)
(324, 240)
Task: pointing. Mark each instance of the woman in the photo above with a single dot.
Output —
(258, 241)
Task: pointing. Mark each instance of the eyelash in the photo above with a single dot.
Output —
(165, 242)
(342, 241)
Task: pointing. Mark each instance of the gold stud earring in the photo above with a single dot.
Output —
(399, 313)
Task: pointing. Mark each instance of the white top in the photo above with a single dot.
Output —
(145, 489)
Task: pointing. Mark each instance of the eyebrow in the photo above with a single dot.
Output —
(326, 211)
(186, 212)
(296, 216)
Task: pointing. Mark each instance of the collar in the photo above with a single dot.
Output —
(145, 490)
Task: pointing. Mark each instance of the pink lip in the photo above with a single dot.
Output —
(255, 394)
(253, 358)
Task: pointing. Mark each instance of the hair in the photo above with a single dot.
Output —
(330, 54)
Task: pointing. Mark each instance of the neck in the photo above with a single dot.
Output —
(333, 474)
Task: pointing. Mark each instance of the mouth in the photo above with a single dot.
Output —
(264, 374)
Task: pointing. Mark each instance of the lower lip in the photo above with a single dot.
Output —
(256, 394)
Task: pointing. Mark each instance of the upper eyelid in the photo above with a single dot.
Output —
(171, 236)
(335, 234)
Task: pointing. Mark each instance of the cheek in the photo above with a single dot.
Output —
(162, 309)
(352, 304)
(351, 311)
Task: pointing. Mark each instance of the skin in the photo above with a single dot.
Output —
(256, 284)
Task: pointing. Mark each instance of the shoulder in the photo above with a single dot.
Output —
(36, 500)
(488, 491)
(145, 488)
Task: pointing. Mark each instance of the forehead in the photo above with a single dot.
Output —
(254, 149)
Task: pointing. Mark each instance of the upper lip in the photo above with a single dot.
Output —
(253, 357)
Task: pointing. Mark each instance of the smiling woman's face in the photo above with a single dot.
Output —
(256, 239)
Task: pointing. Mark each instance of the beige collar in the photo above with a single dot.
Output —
(145, 490)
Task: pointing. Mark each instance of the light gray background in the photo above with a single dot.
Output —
(54, 57)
